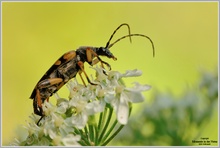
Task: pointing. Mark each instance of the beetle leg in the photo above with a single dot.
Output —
(89, 53)
(81, 65)
(37, 104)
(80, 74)
(44, 84)
(38, 100)
(103, 62)
(95, 61)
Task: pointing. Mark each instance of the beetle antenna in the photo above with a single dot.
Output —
(134, 35)
(124, 24)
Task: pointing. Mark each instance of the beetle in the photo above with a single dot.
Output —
(71, 63)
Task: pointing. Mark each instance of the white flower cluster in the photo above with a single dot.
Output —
(109, 89)
(62, 123)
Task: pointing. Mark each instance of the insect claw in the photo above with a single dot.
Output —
(93, 83)
(104, 71)
(109, 66)
(39, 120)
(90, 81)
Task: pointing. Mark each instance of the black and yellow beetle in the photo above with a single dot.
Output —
(68, 65)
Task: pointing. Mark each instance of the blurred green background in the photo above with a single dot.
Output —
(36, 34)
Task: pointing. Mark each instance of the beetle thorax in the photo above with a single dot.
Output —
(81, 53)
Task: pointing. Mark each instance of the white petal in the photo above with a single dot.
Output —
(123, 110)
(132, 73)
(114, 75)
(51, 134)
(95, 107)
(134, 96)
(80, 120)
(101, 106)
(62, 105)
(139, 87)
(109, 96)
(71, 140)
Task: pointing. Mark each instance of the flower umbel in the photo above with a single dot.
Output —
(84, 119)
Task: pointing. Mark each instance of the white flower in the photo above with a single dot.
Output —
(68, 140)
(75, 88)
(83, 108)
(62, 105)
(122, 97)
(118, 95)
(79, 117)
(48, 108)
(56, 138)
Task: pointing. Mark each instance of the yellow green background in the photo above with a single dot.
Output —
(35, 34)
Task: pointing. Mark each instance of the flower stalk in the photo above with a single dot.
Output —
(87, 117)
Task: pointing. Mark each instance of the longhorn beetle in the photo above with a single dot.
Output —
(71, 63)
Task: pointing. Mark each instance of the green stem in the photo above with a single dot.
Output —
(85, 141)
(113, 135)
(96, 134)
(91, 133)
(106, 125)
(84, 137)
(80, 132)
(116, 132)
(110, 130)
(82, 143)
(86, 132)
(102, 121)
(76, 131)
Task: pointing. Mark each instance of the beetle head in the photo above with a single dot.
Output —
(102, 51)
